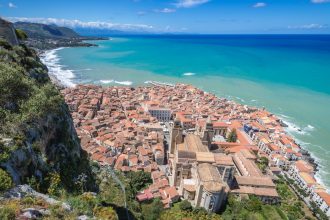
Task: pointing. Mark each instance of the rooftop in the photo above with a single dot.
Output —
(210, 177)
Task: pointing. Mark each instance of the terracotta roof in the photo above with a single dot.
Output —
(223, 159)
(309, 180)
(304, 166)
(171, 192)
(206, 157)
(190, 188)
(193, 143)
(220, 124)
(271, 192)
(210, 177)
(255, 181)
(325, 196)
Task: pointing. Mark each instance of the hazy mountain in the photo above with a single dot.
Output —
(35, 30)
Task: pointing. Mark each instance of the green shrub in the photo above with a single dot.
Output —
(54, 180)
(232, 137)
(105, 213)
(185, 205)
(7, 213)
(43, 100)
(153, 210)
(14, 87)
(28, 200)
(4, 153)
(84, 204)
(5, 181)
(4, 44)
(57, 212)
(137, 181)
(21, 35)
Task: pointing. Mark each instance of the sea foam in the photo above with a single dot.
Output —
(126, 83)
(293, 130)
(160, 83)
(108, 81)
(51, 60)
(189, 74)
(292, 127)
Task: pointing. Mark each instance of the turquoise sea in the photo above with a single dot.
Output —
(287, 74)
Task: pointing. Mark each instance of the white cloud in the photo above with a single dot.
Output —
(165, 10)
(259, 5)
(11, 5)
(309, 26)
(190, 3)
(319, 1)
(83, 24)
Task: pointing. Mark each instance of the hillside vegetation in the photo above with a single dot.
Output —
(37, 137)
(35, 30)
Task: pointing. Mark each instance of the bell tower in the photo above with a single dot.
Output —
(176, 136)
(208, 133)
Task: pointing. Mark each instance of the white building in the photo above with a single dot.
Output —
(321, 199)
(162, 114)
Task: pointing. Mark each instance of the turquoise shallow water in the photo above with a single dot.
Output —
(289, 75)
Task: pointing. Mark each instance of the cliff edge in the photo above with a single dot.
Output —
(7, 31)
(37, 137)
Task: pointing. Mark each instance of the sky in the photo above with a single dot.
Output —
(178, 16)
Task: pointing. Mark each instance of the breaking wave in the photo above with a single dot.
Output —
(108, 81)
(126, 83)
(56, 70)
(189, 74)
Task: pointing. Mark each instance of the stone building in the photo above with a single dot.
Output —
(201, 176)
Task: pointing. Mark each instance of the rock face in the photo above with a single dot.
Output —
(51, 145)
(7, 31)
(22, 191)
(48, 143)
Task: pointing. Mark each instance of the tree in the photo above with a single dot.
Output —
(153, 210)
(232, 137)
(253, 204)
(138, 181)
(263, 163)
(185, 205)
(5, 181)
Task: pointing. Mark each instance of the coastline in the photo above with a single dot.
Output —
(68, 82)
(51, 60)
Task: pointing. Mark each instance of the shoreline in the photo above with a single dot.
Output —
(51, 60)
(309, 157)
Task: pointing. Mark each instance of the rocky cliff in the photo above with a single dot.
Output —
(37, 137)
(7, 31)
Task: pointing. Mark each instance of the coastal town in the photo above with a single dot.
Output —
(197, 147)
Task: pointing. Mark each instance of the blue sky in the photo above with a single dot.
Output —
(188, 16)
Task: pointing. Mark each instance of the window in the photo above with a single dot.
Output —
(212, 201)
